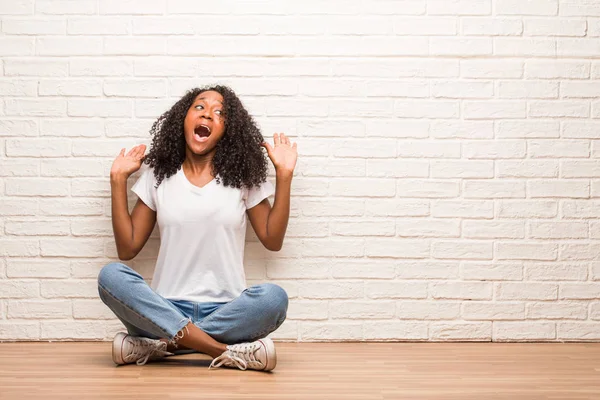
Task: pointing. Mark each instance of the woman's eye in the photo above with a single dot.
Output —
(218, 112)
(199, 105)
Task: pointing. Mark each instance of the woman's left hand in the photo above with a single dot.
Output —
(283, 154)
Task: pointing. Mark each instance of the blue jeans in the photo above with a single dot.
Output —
(258, 311)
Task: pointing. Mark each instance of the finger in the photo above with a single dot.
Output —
(130, 152)
(122, 152)
(287, 139)
(276, 139)
(295, 146)
(267, 146)
(140, 151)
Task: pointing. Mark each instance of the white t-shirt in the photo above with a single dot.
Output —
(202, 233)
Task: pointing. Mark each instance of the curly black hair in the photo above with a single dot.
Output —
(238, 159)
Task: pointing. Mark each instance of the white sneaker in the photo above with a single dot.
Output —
(134, 349)
(259, 355)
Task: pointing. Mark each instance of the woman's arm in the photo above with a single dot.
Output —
(131, 231)
(269, 223)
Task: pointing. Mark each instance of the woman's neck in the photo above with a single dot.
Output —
(198, 165)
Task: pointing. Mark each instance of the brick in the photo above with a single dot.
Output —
(462, 208)
(494, 109)
(559, 310)
(556, 272)
(73, 329)
(576, 251)
(98, 26)
(460, 46)
(557, 69)
(353, 187)
(11, 330)
(346, 207)
(418, 227)
(580, 130)
(396, 290)
(421, 26)
(71, 207)
(36, 67)
(493, 229)
(524, 331)
(332, 290)
(462, 129)
(494, 149)
(528, 89)
(91, 309)
(19, 289)
(71, 128)
(428, 149)
(559, 148)
(396, 207)
(417, 269)
(524, 47)
(558, 188)
(546, 109)
(16, 46)
(35, 107)
(17, 7)
(39, 309)
(579, 291)
(37, 187)
(71, 248)
(527, 209)
(134, 46)
(358, 148)
(558, 230)
(580, 47)
(362, 228)
(15, 88)
(462, 169)
(98, 67)
(426, 109)
(37, 227)
(491, 69)
(527, 169)
(461, 290)
(492, 26)
(99, 108)
(35, 268)
(578, 331)
(395, 330)
(19, 167)
(386, 168)
(19, 207)
(362, 269)
(132, 7)
(491, 271)
(427, 310)
(72, 288)
(496, 311)
(459, 7)
(18, 127)
(527, 129)
(70, 88)
(362, 310)
(337, 128)
(494, 189)
(330, 331)
(526, 251)
(525, 291)
(397, 248)
(134, 88)
(466, 249)
(471, 331)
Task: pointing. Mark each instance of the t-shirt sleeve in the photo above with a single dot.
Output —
(258, 193)
(144, 188)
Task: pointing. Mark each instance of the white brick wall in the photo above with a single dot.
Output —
(449, 171)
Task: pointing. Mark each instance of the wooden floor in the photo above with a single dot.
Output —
(311, 371)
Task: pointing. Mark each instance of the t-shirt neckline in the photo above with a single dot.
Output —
(193, 187)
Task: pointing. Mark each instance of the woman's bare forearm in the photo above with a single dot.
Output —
(121, 219)
(280, 212)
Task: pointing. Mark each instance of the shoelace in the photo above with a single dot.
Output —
(240, 355)
(144, 348)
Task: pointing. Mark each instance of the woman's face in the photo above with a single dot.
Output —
(204, 122)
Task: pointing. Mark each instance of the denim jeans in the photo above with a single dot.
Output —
(258, 311)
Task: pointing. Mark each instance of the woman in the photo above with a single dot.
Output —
(207, 176)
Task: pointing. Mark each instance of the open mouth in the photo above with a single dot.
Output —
(202, 132)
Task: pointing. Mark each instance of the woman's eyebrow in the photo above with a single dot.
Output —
(202, 98)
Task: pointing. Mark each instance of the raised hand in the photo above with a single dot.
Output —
(283, 154)
(126, 164)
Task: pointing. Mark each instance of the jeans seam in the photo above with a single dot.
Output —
(134, 311)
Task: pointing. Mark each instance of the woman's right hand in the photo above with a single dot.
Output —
(126, 164)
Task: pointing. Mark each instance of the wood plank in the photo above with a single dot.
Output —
(84, 370)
